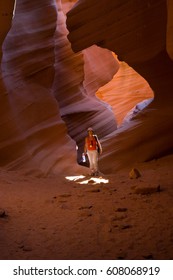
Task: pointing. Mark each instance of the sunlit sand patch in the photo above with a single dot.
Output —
(75, 178)
(91, 180)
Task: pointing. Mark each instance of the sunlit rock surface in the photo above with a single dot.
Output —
(125, 91)
(139, 32)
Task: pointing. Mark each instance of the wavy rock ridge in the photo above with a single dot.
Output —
(35, 136)
(76, 93)
(43, 82)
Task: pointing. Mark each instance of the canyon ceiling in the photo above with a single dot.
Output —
(56, 55)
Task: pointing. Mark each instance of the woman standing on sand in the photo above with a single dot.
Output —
(92, 148)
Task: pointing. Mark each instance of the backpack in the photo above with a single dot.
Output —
(99, 147)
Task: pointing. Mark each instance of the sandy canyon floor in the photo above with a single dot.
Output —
(54, 218)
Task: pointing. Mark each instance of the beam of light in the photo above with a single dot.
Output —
(14, 10)
(75, 178)
(91, 180)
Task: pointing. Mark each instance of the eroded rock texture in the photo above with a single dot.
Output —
(77, 78)
(139, 32)
(47, 91)
(34, 134)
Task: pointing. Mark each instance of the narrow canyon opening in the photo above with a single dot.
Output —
(126, 93)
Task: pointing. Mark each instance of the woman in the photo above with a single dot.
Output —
(92, 148)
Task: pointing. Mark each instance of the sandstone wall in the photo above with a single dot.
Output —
(77, 78)
(47, 91)
(36, 136)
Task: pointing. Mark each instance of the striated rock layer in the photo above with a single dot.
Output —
(139, 33)
(34, 135)
(47, 91)
(77, 78)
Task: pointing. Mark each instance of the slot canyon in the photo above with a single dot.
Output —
(66, 66)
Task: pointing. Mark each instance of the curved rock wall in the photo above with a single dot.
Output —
(77, 78)
(127, 28)
(28, 74)
(43, 82)
(11, 145)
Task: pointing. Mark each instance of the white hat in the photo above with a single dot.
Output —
(90, 129)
